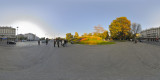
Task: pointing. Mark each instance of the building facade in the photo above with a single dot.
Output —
(151, 34)
(31, 37)
(7, 34)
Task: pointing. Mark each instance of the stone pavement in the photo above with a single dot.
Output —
(152, 43)
(121, 61)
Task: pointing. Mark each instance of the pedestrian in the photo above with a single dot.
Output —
(157, 39)
(47, 41)
(61, 42)
(38, 42)
(65, 42)
(54, 42)
(136, 41)
(57, 42)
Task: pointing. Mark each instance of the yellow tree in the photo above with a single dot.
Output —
(89, 34)
(69, 36)
(105, 35)
(85, 34)
(119, 28)
(95, 34)
(76, 35)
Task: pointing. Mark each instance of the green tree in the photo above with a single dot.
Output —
(99, 35)
(76, 35)
(69, 36)
(90, 34)
(130, 35)
(43, 38)
(95, 34)
(105, 35)
(85, 34)
(22, 38)
(119, 28)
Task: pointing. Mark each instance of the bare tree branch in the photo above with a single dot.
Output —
(99, 29)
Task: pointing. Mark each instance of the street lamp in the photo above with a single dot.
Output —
(17, 33)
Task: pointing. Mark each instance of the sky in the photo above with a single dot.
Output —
(53, 18)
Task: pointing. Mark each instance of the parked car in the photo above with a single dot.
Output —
(11, 42)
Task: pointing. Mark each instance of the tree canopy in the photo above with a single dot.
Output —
(69, 36)
(85, 34)
(89, 34)
(105, 35)
(120, 27)
(76, 35)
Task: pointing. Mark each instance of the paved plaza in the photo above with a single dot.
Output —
(120, 61)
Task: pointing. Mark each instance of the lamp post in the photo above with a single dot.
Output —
(17, 33)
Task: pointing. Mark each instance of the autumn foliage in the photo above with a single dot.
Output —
(93, 40)
(76, 35)
(119, 28)
(69, 36)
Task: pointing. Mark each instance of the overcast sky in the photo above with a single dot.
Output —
(49, 17)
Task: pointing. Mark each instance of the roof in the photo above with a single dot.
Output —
(6, 27)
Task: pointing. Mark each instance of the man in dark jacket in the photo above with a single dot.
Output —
(65, 42)
(38, 42)
(47, 41)
(54, 42)
(57, 42)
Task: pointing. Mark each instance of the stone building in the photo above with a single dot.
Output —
(151, 34)
(31, 37)
(7, 34)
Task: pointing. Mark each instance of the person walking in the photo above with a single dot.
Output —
(54, 42)
(65, 42)
(38, 42)
(136, 41)
(57, 42)
(157, 39)
(61, 42)
(47, 41)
